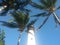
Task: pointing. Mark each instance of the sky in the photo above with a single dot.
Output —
(47, 35)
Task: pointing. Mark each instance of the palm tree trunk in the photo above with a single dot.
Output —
(57, 18)
(19, 38)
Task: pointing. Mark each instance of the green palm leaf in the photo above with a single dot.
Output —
(2, 36)
(21, 19)
(14, 4)
(1, 42)
(37, 5)
(49, 3)
(26, 19)
(26, 2)
(10, 25)
(43, 2)
(18, 17)
(41, 14)
(53, 2)
(43, 22)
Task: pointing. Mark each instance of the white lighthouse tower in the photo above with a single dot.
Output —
(31, 36)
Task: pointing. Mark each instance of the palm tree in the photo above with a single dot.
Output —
(20, 21)
(2, 36)
(49, 8)
(13, 5)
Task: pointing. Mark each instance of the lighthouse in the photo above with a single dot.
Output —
(31, 36)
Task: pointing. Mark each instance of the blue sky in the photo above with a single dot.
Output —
(47, 35)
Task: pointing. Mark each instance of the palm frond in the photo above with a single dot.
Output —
(21, 19)
(53, 2)
(26, 10)
(43, 2)
(10, 25)
(14, 4)
(37, 5)
(26, 19)
(41, 14)
(43, 22)
(25, 2)
(17, 16)
(48, 3)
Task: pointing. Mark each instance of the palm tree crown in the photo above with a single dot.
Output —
(48, 6)
(20, 20)
(13, 5)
